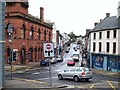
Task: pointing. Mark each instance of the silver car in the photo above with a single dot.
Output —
(76, 73)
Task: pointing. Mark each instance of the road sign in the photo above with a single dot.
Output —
(48, 50)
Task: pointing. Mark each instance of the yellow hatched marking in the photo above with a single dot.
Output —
(111, 85)
(92, 85)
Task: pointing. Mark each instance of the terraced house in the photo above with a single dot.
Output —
(29, 33)
(105, 43)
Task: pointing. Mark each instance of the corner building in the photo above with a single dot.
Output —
(29, 33)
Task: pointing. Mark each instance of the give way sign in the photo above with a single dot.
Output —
(48, 50)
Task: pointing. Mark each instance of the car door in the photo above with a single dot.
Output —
(65, 73)
(71, 73)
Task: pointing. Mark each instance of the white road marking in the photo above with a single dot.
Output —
(46, 78)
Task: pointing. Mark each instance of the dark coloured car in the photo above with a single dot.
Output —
(44, 62)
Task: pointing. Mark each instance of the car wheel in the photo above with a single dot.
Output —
(76, 79)
(60, 77)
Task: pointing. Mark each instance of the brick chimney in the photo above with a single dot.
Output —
(42, 14)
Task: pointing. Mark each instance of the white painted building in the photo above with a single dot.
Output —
(105, 43)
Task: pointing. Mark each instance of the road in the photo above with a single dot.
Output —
(42, 74)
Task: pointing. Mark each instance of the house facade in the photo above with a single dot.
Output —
(29, 33)
(105, 44)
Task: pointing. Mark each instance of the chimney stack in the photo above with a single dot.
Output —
(95, 24)
(42, 15)
(118, 10)
(107, 14)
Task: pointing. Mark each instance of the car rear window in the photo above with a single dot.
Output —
(86, 69)
(75, 54)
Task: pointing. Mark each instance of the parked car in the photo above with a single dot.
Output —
(53, 60)
(59, 58)
(44, 62)
(70, 62)
(76, 73)
(68, 49)
(75, 57)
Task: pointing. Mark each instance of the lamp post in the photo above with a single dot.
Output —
(10, 31)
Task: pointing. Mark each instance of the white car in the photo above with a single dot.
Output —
(75, 57)
(53, 60)
(59, 58)
(76, 73)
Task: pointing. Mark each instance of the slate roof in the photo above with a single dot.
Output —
(107, 23)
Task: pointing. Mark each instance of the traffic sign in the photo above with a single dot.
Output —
(48, 50)
(48, 46)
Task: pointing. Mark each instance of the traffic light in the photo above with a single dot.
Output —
(14, 55)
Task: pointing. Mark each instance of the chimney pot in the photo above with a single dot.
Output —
(107, 14)
(95, 23)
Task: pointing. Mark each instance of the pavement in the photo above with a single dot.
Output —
(25, 84)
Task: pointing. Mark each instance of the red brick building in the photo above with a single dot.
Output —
(29, 33)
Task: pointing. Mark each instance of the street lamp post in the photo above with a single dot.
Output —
(10, 31)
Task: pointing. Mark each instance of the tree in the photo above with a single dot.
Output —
(72, 36)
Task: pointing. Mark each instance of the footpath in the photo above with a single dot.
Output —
(25, 84)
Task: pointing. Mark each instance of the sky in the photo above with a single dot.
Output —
(74, 15)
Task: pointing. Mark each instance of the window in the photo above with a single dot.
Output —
(114, 33)
(23, 31)
(45, 35)
(49, 36)
(114, 47)
(94, 46)
(31, 33)
(100, 46)
(66, 70)
(100, 35)
(39, 34)
(108, 34)
(107, 46)
(94, 37)
(79, 70)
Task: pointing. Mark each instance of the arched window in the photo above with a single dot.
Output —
(23, 32)
(49, 36)
(31, 33)
(39, 34)
(9, 29)
(44, 35)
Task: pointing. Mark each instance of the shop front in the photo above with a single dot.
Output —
(105, 62)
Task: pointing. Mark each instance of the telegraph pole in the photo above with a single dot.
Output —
(2, 14)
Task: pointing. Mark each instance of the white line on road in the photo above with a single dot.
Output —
(46, 78)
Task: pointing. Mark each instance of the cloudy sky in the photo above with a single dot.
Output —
(74, 15)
